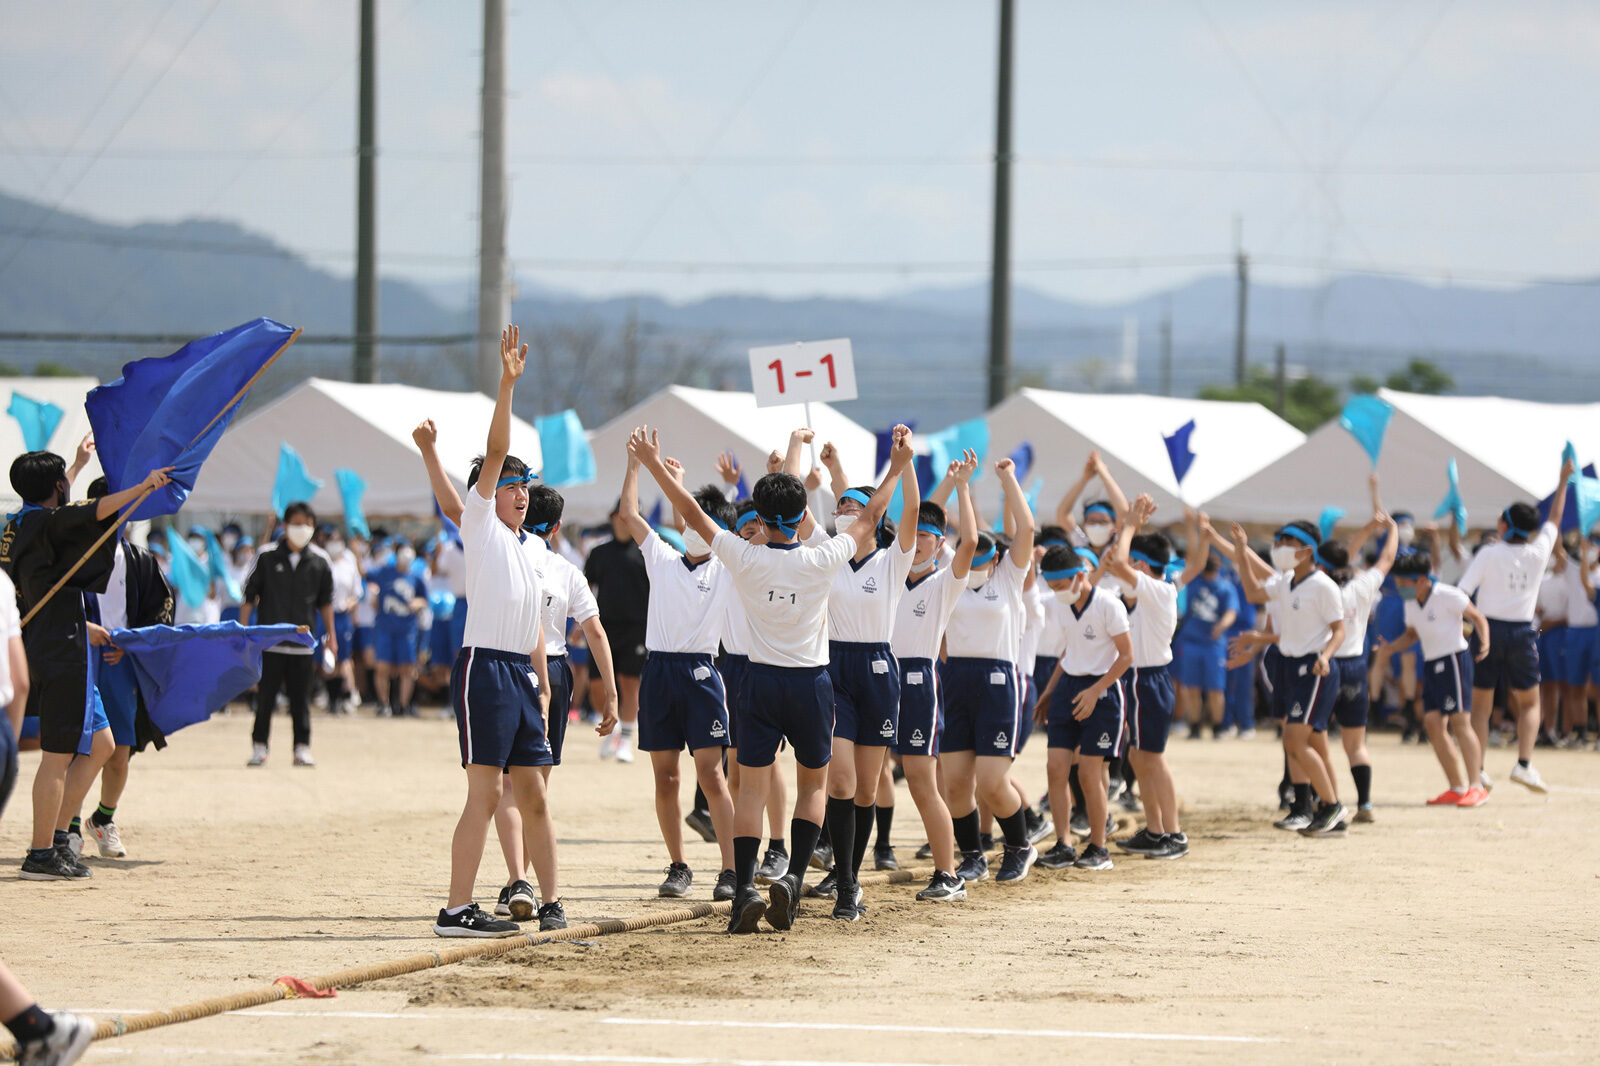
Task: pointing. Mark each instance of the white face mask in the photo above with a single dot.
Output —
(924, 566)
(230, 541)
(335, 547)
(843, 522)
(1066, 596)
(1117, 585)
(405, 558)
(694, 543)
(1099, 534)
(1284, 557)
(298, 536)
(1406, 534)
(976, 579)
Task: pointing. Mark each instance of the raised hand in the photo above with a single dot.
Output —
(674, 468)
(513, 358)
(426, 434)
(900, 452)
(1005, 467)
(804, 435)
(85, 450)
(774, 462)
(829, 456)
(728, 467)
(963, 469)
(1241, 539)
(157, 479)
(814, 479)
(644, 444)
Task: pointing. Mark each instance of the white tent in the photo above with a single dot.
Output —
(1505, 450)
(67, 394)
(365, 428)
(698, 424)
(1230, 441)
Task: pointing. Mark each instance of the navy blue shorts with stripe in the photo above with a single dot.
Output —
(1272, 678)
(866, 693)
(1302, 697)
(733, 668)
(495, 695)
(682, 703)
(1103, 733)
(1447, 683)
(560, 705)
(982, 707)
(1513, 657)
(793, 703)
(920, 710)
(1150, 717)
(1351, 701)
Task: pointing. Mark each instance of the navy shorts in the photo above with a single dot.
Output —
(682, 703)
(1579, 662)
(1044, 668)
(920, 712)
(733, 669)
(119, 694)
(1030, 697)
(1447, 683)
(1203, 664)
(560, 705)
(395, 645)
(982, 707)
(1351, 703)
(495, 695)
(1302, 697)
(1553, 653)
(793, 703)
(1103, 733)
(1150, 717)
(1272, 678)
(866, 693)
(344, 631)
(8, 762)
(1513, 657)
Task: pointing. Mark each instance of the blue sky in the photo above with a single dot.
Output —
(828, 146)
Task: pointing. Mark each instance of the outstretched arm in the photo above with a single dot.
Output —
(426, 436)
(794, 461)
(1558, 506)
(1016, 504)
(628, 511)
(513, 361)
(1200, 534)
(1116, 562)
(829, 457)
(967, 520)
(1070, 499)
(1248, 577)
(1119, 502)
(864, 531)
(645, 446)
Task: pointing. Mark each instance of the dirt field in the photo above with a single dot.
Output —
(1435, 935)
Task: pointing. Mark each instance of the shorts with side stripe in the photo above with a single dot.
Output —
(919, 708)
(1351, 703)
(1150, 717)
(560, 705)
(1103, 733)
(982, 707)
(1447, 683)
(495, 695)
(1302, 697)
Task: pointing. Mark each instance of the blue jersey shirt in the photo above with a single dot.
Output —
(1208, 600)
(396, 590)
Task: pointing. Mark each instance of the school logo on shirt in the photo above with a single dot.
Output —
(717, 729)
(1000, 740)
(1294, 604)
(887, 730)
(1089, 633)
(921, 609)
(1105, 740)
(704, 585)
(870, 586)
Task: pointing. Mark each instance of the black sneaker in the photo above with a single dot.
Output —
(827, 888)
(746, 914)
(1039, 826)
(1130, 803)
(56, 865)
(1059, 857)
(1286, 799)
(1322, 823)
(974, 867)
(1016, 863)
(783, 902)
(65, 1043)
(944, 888)
(552, 916)
(502, 906)
(679, 877)
(822, 857)
(883, 859)
(519, 901)
(1079, 823)
(925, 852)
(845, 910)
(1171, 846)
(474, 922)
(774, 864)
(986, 842)
(1141, 843)
(727, 886)
(1094, 857)
(700, 822)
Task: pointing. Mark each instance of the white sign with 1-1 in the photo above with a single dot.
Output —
(800, 373)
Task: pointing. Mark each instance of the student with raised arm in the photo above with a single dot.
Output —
(788, 694)
(1099, 516)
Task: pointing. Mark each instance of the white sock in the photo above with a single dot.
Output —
(627, 729)
(453, 911)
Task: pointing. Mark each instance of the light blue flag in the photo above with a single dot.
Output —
(1366, 418)
(671, 536)
(38, 419)
(568, 459)
(1569, 454)
(293, 485)
(351, 489)
(1330, 518)
(218, 570)
(188, 573)
(1452, 504)
(947, 445)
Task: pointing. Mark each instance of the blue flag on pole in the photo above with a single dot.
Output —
(1329, 518)
(38, 420)
(654, 517)
(216, 566)
(1022, 458)
(568, 458)
(293, 484)
(1452, 504)
(1569, 454)
(1178, 450)
(1366, 418)
(188, 573)
(351, 489)
(153, 415)
(188, 673)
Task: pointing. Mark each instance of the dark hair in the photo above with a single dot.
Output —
(985, 542)
(744, 505)
(545, 504)
(1155, 545)
(36, 475)
(1060, 557)
(932, 514)
(1052, 532)
(98, 488)
(1522, 519)
(778, 496)
(716, 506)
(1308, 529)
(512, 467)
(1413, 564)
(298, 508)
(1336, 561)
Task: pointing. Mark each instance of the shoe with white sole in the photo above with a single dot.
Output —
(302, 755)
(258, 756)
(109, 840)
(624, 749)
(63, 1045)
(1485, 782)
(1528, 778)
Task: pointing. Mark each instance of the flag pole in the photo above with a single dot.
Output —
(134, 506)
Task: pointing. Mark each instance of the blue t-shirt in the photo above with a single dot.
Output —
(396, 590)
(1208, 600)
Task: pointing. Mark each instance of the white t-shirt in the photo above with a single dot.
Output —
(1033, 623)
(1088, 651)
(785, 594)
(1360, 594)
(987, 622)
(1506, 576)
(10, 626)
(1438, 622)
(1306, 612)
(114, 600)
(1152, 621)
(686, 606)
(923, 613)
(1551, 604)
(347, 583)
(862, 601)
(1580, 604)
(566, 595)
(450, 568)
(504, 596)
(1052, 631)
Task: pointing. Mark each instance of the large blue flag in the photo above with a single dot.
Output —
(568, 459)
(293, 484)
(1366, 418)
(948, 444)
(217, 565)
(1178, 450)
(1577, 490)
(157, 413)
(351, 488)
(188, 673)
(37, 418)
(1452, 504)
(188, 573)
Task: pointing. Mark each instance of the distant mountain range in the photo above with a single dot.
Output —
(919, 354)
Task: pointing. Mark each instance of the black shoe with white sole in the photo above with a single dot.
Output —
(783, 902)
(883, 859)
(1323, 822)
(827, 888)
(747, 911)
(944, 888)
(1293, 823)
(1094, 857)
(925, 852)
(1016, 863)
(1039, 826)
(727, 886)
(552, 916)
(56, 865)
(1059, 857)
(822, 857)
(474, 921)
(679, 877)
(700, 822)
(774, 864)
(1141, 843)
(519, 901)
(1171, 846)
(502, 906)
(1079, 823)
(974, 867)
(845, 910)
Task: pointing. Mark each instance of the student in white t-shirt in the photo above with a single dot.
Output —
(1503, 579)
(788, 694)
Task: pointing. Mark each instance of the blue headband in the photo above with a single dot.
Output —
(1103, 507)
(1062, 575)
(980, 560)
(719, 522)
(855, 494)
(1141, 557)
(542, 528)
(1506, 515)
(516, 479)
(751, 515)
(1296, 533)
(929, 527)
(787, 525)
(1054, 542)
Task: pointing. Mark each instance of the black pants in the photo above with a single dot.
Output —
(293, 674)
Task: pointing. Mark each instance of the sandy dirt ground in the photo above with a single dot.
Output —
(1435, 935)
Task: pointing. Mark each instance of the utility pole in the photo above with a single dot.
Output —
(494, 294)
(1242, 263)
(1166, 350)
(366, 311)
(1282, 381)
(1000, 267)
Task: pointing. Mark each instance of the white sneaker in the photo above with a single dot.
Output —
(109, 839)
(65, 1045)
(1485, 781)
(608, 745)
(624, 749)
(1528, 778)
(302, 756)
(75, 844)
(258, 756)
(1247, 734)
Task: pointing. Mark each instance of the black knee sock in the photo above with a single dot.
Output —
(776, 844)
(841, 818)
(744, 859)
(864, 816)
(1284, 781)
(700, 803)
(31, 1024)
(1363, 777)
(885, 822)
(1078, 803)
(1302, 799)
(1015, 828)
(966, 828)
(804, 834)
(825, 840)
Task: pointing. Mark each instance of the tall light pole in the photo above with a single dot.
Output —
(494, 294)
(366, 310)
(1000, 268)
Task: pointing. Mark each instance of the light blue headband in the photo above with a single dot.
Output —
(929, 527)
(981, 560)
(516, 479)
(855, 494)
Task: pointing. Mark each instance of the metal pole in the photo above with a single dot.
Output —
(1166, 352)
(1282, 373)
(1000, 270)
(1242, 264)
(494, 295)
(366, 311)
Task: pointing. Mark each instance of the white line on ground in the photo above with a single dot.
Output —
(518, 1056)
(938, 1030)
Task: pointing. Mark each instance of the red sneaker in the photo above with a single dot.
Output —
(1448, 798)
(1473, 797)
